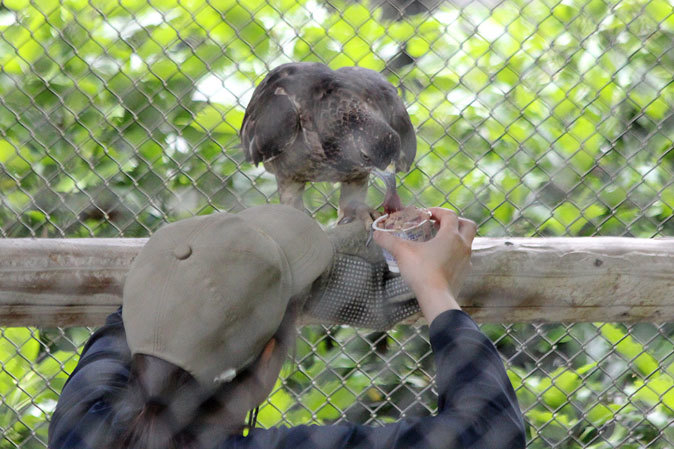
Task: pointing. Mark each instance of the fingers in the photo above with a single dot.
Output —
(389, 242)
(385, 240)
(447, 218)
(449, 221)
(468, 229)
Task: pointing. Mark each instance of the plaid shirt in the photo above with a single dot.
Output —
(477, 407)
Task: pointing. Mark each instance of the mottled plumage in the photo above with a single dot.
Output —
(306, 122)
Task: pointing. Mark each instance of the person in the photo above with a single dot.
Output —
(208, 317)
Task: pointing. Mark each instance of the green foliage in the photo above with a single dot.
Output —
(31, 378)
(533, 118)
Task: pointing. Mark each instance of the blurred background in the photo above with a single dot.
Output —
(533, 118)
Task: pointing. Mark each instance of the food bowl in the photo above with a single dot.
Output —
(416, 230)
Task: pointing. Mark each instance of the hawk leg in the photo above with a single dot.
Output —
(352, 203)
(291, 192)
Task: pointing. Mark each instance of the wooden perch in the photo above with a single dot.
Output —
(78, 282)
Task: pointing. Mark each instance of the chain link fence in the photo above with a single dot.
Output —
(533, 118)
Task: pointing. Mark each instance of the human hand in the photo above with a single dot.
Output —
(434, 269)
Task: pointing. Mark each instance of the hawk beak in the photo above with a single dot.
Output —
(388, 177)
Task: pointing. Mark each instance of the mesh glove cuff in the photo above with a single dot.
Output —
(358, 289)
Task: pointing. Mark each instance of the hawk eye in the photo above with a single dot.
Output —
(365, 157)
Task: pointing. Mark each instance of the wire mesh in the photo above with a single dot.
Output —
(533, 118)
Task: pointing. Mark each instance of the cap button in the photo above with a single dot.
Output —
(182, 252)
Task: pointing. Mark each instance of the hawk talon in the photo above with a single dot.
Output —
(358, 210)
(369, 237)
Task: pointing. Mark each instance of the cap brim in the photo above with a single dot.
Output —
(305, 245)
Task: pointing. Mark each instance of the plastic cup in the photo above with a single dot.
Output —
(421, 232)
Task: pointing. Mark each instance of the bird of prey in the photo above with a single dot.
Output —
(306, 123)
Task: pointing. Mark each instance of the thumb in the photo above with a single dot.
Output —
(387, 241)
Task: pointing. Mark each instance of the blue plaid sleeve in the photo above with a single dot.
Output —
(477, 406)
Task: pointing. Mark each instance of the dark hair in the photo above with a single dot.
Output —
(164, 407)
(147, 406)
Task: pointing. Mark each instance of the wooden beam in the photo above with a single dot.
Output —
(78, 282)
(63, 282)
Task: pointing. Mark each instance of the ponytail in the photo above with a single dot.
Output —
(152, 422)
(164, 407)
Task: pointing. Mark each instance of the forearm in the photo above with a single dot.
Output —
(434, 300)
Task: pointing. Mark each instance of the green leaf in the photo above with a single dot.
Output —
(218, 118)
(401, 31)
(657, 389)
(600, 414)
(417, 46)
(7, 152)
(16, 5)
(18, 349)
(277, 403)
(630, 349)
(356, 15)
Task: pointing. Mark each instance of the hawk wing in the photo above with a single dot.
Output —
(271, 122)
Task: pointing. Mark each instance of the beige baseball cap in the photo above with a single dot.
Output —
(207, 293)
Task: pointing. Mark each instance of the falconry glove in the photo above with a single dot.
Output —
(358, 289)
